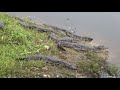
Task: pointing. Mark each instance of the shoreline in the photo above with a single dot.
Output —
(76, 49)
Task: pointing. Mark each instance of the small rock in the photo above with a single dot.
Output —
(45, 68)
(47, 47)
(60, 52)
(102, 67)
(57, 75)
(44, 75)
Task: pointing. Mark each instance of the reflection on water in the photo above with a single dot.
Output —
(104, 27)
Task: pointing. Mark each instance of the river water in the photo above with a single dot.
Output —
(103, 27)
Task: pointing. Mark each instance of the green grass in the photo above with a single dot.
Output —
(91, 63)
(114, 70)
(94, 65)
(16, 41)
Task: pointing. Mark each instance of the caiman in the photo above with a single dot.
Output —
(51, 60)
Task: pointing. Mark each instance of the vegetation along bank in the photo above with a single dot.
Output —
(37, 50)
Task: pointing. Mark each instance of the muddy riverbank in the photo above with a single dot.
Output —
(38, 50)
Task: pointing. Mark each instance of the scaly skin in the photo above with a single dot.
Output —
(51, 60)
(80, 47)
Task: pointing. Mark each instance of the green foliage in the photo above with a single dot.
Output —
(16, 41)
(113, 69)
(91, 63)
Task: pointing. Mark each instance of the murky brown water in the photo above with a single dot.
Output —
(104, 27)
